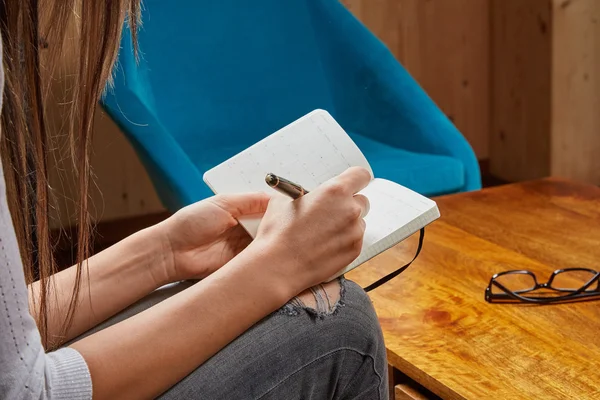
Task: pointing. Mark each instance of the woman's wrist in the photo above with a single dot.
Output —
(267, 258)
(263, 267)
(154, 255)
(274, 261)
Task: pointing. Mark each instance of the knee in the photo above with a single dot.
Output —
(359, 301)
(350, 330)
(321, 300)
(359, 317)
(344, 310)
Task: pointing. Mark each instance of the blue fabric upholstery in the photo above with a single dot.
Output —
(216, 76)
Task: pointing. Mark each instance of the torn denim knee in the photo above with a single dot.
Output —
(322, 302)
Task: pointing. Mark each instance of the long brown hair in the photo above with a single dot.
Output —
(26, 27)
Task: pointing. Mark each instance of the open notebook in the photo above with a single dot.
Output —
(309, 152)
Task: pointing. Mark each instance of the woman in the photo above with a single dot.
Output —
(233, 334)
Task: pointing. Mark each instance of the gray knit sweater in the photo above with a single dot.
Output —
(26, 370)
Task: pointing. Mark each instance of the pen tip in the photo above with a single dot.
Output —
(271, 179)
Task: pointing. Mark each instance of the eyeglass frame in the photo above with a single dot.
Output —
(573, 294)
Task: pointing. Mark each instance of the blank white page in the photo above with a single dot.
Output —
(309, 151)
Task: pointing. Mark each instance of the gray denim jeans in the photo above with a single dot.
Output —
(333, 352)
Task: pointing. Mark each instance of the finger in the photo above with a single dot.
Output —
(240, 204)
(354, 178)
(363, 225)
(279, 198)
(364, 204)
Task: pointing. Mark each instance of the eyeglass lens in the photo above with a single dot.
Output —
(571, 280)
(515, 282)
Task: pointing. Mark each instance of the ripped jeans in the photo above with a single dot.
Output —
(329, 348)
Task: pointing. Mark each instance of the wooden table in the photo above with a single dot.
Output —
(441, 333)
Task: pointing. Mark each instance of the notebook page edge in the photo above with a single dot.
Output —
(399, 235)
(394, 238)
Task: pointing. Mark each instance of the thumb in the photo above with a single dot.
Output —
(240, 204)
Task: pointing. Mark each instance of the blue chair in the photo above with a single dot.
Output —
(215, 77)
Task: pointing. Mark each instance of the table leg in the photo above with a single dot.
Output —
(401, 387)
(391, 381)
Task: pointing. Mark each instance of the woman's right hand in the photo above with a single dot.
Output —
(311, 239)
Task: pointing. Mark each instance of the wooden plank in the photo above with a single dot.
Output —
(445, 46)
(121, 189)
(391, 382)
(127, 189)
(407, 392)
(521, 92)
(545, 89)
(576, 90)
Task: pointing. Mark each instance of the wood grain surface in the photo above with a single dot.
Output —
(521, 94)
(545, 89)
(440, 331)
(576, 86)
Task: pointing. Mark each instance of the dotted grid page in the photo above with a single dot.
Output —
(396, 213)
(309, 152)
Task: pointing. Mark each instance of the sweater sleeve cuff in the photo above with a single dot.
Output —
(71, 377)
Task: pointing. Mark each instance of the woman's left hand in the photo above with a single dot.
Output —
(201, 238)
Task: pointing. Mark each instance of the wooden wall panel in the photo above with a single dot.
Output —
(121, 187)
(546, 89)
(118, 169)
(576, 90)
(521, 92)
(445, 46)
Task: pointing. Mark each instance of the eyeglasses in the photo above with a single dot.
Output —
(563, 285)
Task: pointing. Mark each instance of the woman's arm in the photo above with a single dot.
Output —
(113, 280)
(192, 244)
(148, 353)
